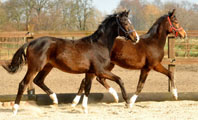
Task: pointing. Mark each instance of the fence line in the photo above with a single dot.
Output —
(11, 41)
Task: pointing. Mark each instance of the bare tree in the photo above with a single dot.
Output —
(27, 7)
(83, 11)
(145, 13)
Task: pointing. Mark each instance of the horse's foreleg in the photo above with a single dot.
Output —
(80, 91)
(22, 87)
(39, 80)
(110, 89)
(87, 88)
(111, 76)
(163, 70)
(142, 79)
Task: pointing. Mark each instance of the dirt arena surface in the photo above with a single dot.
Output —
(186, 78)
(168, 110)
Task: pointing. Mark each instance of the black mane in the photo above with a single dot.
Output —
(101, 28)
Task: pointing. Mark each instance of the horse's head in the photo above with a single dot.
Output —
(125, 27)
(173, 25)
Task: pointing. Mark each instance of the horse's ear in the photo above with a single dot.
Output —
(123, 13)
(171, 14)
(128, 12)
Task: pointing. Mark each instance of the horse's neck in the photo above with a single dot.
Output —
(108, 38)
(161, 37)
(158, 37)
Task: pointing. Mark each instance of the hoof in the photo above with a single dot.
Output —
(127, 105)
(116, 100)
(54, 105)
(175, 97)
(73, 104)
(85, 110)
(131, 105)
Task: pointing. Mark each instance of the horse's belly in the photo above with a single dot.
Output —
(72, 65)
(129, 63)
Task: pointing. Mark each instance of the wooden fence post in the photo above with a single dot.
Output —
(31, 89)
(187, 48)
(171, 55)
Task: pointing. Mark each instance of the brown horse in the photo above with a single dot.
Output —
(145, 55)
(89, 55)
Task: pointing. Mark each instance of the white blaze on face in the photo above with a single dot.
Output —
(137, 36)
(129, 21)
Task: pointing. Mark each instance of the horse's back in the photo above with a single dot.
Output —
(73, 56)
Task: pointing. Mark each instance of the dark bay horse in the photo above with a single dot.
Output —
(146, 55)
(89, 55)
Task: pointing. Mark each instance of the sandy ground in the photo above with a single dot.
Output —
(168, 110)
(60, 82)
(186, 78)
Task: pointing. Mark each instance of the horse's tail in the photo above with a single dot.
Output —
(17, 60)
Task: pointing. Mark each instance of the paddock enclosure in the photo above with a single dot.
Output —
(155, 101)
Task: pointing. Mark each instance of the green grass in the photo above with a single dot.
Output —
(180, 48)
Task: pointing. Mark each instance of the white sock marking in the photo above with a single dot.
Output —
(15, 108)
(84, 104)
(54, 98)
(129, 21)
(174, 91)
(132, 100)
(76, 100)
(114, 93)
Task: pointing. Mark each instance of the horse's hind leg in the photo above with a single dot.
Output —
(142, 79)
(22, 87)
(39, 80)
(109, 88)
(108, 75)
(163, 70)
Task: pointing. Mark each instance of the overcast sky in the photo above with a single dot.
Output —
(108, 6)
